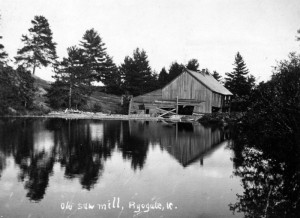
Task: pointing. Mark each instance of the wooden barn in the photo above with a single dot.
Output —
(191, 93)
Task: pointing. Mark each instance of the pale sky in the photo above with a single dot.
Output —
(212, 31)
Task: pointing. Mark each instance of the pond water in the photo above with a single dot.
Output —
(93, 168)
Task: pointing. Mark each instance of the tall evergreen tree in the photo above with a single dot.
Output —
(163, 77)
(193, 65)
(137, 75)
(16, 89)
(3, 54)
(26, 89)
(112, 77)
(217, 76)
(239, 82)
(8, 89)
(73, 82)
(39, 49)
(94, 52)
(175, 70)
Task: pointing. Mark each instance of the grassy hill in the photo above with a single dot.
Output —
(97, 102)
(107, 103)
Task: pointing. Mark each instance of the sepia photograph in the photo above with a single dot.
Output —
(149, 108)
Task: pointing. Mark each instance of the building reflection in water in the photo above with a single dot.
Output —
(81, 147)
(186, 142)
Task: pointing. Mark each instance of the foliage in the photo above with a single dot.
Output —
(217, 76)
(97, 108)
(26, 89)
(73, 78)
(240, 84)
(175, 70)
(137, 74)
(270, 178)
(276, 104)
(163, 77)
(3, 54)
(94, 52)
(266, 146)
(193, 65)
(57, 95)
(39, 49)
(111, 77)
(16, 89)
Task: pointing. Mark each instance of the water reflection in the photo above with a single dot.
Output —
(186, 142)
(270, 173)
(82, 147)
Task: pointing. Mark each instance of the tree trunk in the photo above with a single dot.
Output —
(33, 71)
(70, 96)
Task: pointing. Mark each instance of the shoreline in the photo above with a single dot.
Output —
(87, 115)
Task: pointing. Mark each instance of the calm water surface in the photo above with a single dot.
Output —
(91, 168)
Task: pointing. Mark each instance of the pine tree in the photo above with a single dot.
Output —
(39, 49)
(138, 78)
(72, 79)
(94, 52)
(239, 82)
(175, 70)
(8, 89)
(193, 65)
(26, 89)
(163, 77)
(16, 89)
(217, 76)
(112, 77)
(236, 81)
(3, 54)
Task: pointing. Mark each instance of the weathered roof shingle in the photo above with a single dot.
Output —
(208, 80)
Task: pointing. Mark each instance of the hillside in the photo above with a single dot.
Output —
(98, 101)
(41, 90)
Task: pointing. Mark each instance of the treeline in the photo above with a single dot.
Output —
(89, 62)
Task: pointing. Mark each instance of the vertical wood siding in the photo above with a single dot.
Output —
(187, 87)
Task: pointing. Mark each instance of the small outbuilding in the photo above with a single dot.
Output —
(190, 93)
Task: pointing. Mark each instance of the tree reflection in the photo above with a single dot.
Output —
(17, 137)
(133, 147)
(78, 152)
(270, 173)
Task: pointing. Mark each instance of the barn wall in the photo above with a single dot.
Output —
(187, 87)
(217, 100)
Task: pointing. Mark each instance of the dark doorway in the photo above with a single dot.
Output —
(185, 110)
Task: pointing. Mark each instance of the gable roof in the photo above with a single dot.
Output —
(208, 80)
